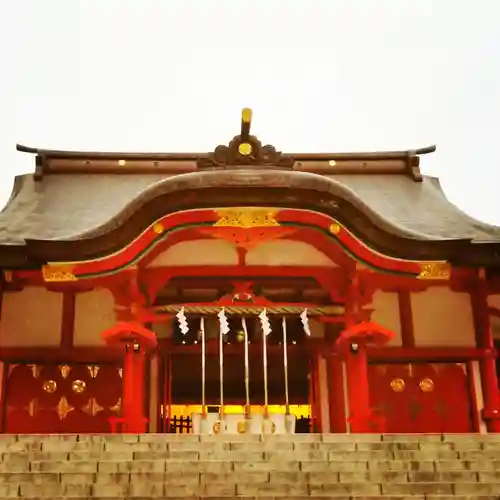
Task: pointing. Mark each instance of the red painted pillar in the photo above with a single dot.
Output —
(487, 365)
(136, 340)
(336, 395)
(353, 342)
(357, 388)
(133, 388)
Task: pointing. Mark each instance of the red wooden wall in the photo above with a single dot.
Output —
(422, 398)
(73, 398)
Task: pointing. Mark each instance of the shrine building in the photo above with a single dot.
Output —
(244, 290)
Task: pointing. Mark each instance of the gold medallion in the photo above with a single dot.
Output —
(426, 385)
(335, 228)
(398, 385)
(50, 386)
(78, 386)
(245, 149)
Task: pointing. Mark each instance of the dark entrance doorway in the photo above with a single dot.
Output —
(181, 393)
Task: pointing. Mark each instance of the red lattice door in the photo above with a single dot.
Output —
(49, 398)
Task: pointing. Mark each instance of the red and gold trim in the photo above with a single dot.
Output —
(245, 227)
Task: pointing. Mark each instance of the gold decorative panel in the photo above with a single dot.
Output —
(434, 271)
(58, 274)
(247, 217)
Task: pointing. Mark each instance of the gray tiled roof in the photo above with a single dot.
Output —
(66, 206)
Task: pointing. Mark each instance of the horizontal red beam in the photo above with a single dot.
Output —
(55, 354)
(378, 354)
(427, 353)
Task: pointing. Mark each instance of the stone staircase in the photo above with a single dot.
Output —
(299, 467)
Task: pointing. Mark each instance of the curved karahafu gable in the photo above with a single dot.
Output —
(81, 206)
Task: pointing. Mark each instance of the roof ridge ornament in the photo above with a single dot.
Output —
(245, 150)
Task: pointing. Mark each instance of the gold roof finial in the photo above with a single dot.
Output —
(246, 122)
(245, 148)
(246, 115)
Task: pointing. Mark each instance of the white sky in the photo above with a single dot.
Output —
(321, 76)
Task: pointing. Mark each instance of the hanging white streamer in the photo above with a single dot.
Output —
(305, 322)
(183, 325)
(264, 322)
(223, 324)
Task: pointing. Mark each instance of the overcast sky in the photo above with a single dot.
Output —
(321, 76)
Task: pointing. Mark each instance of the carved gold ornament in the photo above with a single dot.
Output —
(35, 370)
(50, 386)
(63, 408)
(78, 386)
(434, 271)
(32, 407)
(92, 408)
(398, 385)
(247, 217)
(65, 370)
(426, 385)
(58, 274)
(117, 407)
(335, 228)
(93, 370)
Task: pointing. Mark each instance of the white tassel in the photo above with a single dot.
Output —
(223, 324)
(264, 322)
(183, 325)
(305, 322)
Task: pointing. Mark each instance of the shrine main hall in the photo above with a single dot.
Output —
(244, 290)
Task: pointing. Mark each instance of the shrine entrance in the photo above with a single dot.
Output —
(422, 398)
(275, 386)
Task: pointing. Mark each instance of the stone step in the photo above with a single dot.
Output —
(260, 467)
(145, 489)
(294, 497)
